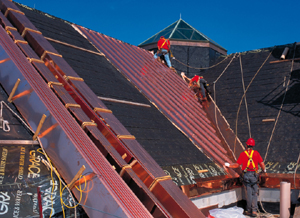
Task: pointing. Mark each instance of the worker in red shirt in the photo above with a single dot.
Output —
(197, 83)
(163, 46)
(249, 160)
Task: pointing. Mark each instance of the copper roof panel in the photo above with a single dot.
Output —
(164, 88)
(94, 159)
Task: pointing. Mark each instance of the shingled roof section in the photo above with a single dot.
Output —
(270, 110)
(170, 148)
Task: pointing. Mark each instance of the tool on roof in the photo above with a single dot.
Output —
(3, 123)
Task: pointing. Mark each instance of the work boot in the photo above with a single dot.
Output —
(247, 213)
(254, 214)
(173, 69)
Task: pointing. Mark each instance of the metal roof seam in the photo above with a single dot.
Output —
(50, 102)
(119, 55)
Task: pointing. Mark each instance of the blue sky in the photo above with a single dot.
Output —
(235, 25)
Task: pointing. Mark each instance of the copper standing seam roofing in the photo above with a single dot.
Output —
(84, 145)
(129, 68)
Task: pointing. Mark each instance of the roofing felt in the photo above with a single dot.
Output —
(179, 30)
(22, 172)
(166, 144)
(66, 86)
(272, 102)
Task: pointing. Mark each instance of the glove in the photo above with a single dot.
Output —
(227, 164)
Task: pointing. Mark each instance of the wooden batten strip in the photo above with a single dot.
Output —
(20, 41)
(84, 124)
(68, 105)
(98, 109)
(54, 83)
(125, 137)
(73, 78)
(269, 120)
(49, 52)
(30, 30)
(158, 179)
(35, 60)
(74, 46)
(14, 10)
(7, 28)
(124, 169)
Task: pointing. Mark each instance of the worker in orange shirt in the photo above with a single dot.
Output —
(163, 46)
(249, 160)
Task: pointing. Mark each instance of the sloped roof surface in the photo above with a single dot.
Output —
(179, 30)
(272, 101)
(164, 142)
(165, 89)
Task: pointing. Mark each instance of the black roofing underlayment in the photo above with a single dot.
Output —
(22, 172)
(171, 149)
(265, 97)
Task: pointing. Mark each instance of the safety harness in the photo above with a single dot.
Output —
(163, 44)
(250, 161)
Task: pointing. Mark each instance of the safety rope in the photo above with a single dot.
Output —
(281, 106)
(296, 168)
(246, 104)
(201, 68)
(237, 115)
(215, 100)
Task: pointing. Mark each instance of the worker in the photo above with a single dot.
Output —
(163, 46)
(249, 160)
(197, 82)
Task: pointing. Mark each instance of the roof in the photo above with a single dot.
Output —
(167, 91)
(82, 132)
(270, 110)
(181, 31)
(169, 147)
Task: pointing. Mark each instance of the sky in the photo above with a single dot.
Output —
(237, 26)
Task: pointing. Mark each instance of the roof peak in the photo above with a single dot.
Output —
(179, 30)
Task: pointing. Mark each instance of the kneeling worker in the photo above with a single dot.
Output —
(249, 160)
